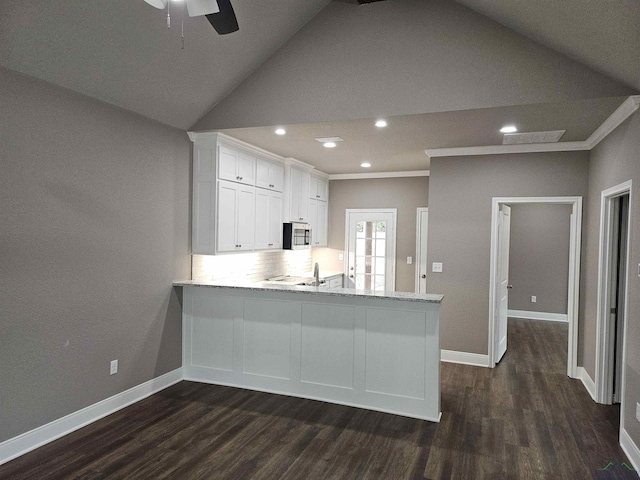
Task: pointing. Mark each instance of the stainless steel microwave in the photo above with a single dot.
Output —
(297, 236)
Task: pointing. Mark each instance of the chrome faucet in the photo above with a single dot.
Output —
(316, 273)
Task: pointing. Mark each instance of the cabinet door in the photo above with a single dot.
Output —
(303, 204)
(246, 217)
(295, 183)
(313, 220)
(246, 169)
(263, 171)
(313, 187)
(263, 223)
(322, 189)
(269, 175)
(275, 220)
(227, 212)
(227, 164)
(321, 229)
(276, 178)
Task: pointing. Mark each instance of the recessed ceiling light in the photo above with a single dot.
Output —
(329, 144)
(381, 123)
(365, 164)
(280, 131)
(508, 129)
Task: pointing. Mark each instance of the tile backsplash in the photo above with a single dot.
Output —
(252, 266)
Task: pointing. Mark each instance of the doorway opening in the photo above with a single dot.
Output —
(612, 293)
(498, 286)
(371, 249)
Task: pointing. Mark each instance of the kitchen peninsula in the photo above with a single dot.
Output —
(374, 350)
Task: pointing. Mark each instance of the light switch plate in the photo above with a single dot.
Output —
(409, 260)
(638, 411)
(436, 267)
(341, 256)
(534, 299)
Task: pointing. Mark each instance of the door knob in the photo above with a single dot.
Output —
(509, 287)
(424, 275)
(350, 276)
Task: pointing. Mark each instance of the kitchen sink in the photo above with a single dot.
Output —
(291, 280)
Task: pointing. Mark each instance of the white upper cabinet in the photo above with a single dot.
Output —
(268, 220)
(269, 175)
(242, 195)
(318, 188)
(318, 218)
(236, 217)
(236, 166)
(298, 195)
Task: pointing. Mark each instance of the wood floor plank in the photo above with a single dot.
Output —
(523, 419)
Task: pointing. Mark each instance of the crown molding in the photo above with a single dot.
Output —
(363, 176)
(301, 164)
(505, 149)
(210, 138)
(624, 111)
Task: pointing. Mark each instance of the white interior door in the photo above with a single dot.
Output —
(421, 249)
(504, 233)
(371, 249)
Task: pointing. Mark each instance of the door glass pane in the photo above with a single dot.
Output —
(370, 253)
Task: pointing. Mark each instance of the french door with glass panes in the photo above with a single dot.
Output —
(371, 249)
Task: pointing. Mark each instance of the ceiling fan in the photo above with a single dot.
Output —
(219, 13)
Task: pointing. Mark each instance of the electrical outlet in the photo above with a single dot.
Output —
(436, 267)
(341, 256)
(113, 368)
(534, 299)
(638, 411)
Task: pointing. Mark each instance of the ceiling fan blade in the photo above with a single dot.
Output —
(158, 3)
(202, 7)
(225, 20)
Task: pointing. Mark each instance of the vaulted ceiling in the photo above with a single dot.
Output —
(463, 63)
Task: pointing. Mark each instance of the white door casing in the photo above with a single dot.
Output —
(574, 272)
(502, 286)
(604, 333)
(371, 252)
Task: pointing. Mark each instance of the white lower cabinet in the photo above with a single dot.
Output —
(236, 217)
(367, 352)
(268, 220)
(318, 218)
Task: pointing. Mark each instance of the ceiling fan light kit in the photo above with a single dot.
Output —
(219, 13)
(197, 8)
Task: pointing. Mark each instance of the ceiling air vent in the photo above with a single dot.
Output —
(532, 137)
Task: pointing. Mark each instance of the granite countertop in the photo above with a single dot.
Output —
(339, 291)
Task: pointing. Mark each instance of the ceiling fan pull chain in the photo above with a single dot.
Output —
(182, 29)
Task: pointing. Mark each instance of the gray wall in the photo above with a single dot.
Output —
(402, 57)
(94, 215)
(460, 193)
(615, 160)
(405, 194)
(539, 257)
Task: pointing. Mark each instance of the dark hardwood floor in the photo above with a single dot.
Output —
(523, 419)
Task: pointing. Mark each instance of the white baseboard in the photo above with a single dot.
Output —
(465, 358)
(588, 382)
(17, 446)
(630, 448)
(549, 317)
